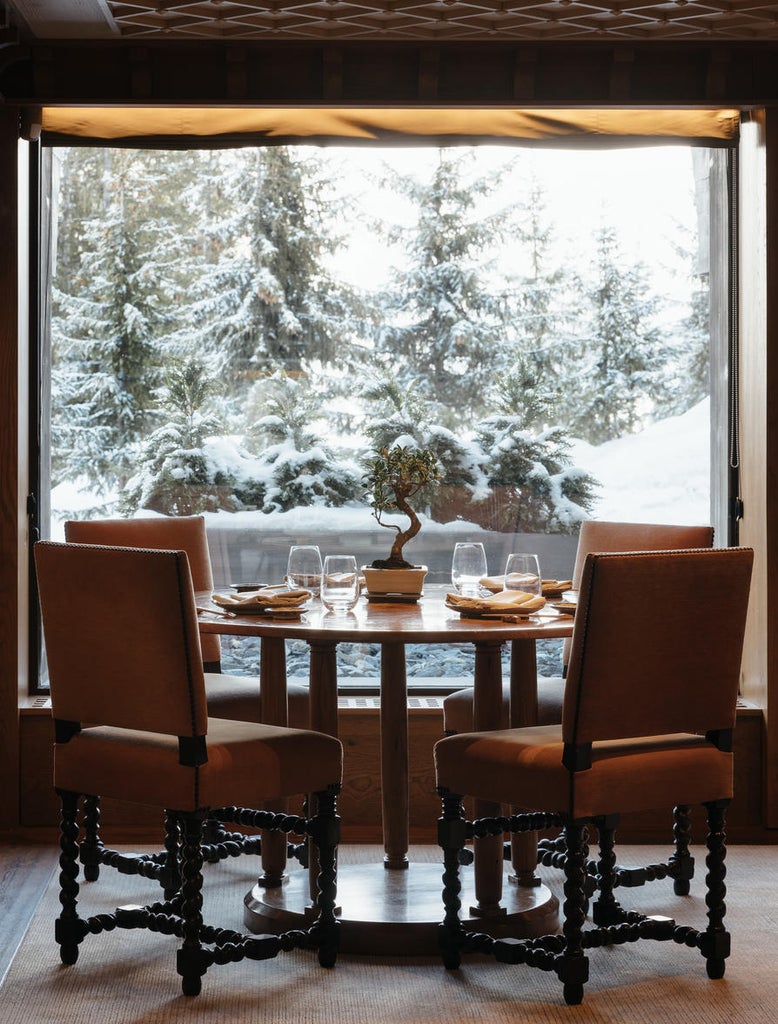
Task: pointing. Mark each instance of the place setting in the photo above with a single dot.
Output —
(518, 595)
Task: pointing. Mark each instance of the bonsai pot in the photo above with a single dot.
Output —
(394, 584)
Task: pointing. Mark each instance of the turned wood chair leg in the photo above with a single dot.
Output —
(451, 838)
(681, 861)
(572, 965)
(715, 941)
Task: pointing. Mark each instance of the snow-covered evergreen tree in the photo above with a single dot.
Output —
(260, 293)
(535, 488)
(400, 415)
(179, 473)
(299, 466)
(622, 360)
(110, 308)
(441, 324)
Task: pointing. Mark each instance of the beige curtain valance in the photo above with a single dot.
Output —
(199, 126)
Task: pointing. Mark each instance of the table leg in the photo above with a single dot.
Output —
(523, 712)
(272, 674)
(323, 703)
(487, 705)
(394, 755)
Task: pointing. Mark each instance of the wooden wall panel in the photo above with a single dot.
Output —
(9, 441)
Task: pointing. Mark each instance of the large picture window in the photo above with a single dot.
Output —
(232, 332)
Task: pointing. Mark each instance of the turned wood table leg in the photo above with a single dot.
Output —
(487, 707)
(394, 755)
(523, 712)
(272, 675)
(323, 703)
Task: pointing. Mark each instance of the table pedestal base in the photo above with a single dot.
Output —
(396, 913)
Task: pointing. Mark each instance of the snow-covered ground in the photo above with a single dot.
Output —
(659, 476)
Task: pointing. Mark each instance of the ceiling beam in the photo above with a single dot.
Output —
(500, 74)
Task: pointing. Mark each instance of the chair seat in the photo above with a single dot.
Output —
(238, 698)
(523, 767)
(458, 707)
(248, 764)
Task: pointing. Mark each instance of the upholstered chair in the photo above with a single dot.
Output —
(647, 722)
(123, 648)
(228, 696)
(598, 535)
(594, 536)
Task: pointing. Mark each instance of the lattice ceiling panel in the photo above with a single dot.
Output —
(445, 20)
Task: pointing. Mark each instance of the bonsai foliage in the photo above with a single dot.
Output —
(393, 477)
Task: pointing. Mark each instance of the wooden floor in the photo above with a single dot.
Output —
(25, 871)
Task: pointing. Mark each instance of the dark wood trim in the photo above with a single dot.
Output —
(374, 73)
(9, 470)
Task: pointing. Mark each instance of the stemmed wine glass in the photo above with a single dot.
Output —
(468, 567)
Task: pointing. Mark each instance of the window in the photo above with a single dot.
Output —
(232, 331)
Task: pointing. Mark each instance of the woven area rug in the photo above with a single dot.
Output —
(128, 977)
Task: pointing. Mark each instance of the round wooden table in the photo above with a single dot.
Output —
(393, 625)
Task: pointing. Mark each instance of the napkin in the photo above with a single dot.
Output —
(509, 602)
(267, 597)
(550, 587)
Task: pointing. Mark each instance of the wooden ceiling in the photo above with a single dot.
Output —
(443, 21)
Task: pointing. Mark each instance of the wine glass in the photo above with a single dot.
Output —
(468, 566)
(339, 583)
(522, 572)
(303, 569)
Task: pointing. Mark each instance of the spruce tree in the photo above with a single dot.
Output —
(442, 326)
(111, 307)
(622, 356)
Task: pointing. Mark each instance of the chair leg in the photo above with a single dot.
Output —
(325, 831)
(715, 941)
(451, 838)
(69, 928)
(91, 844)
(192, 961)
(572, 967)
(681, 862)
(606, 910)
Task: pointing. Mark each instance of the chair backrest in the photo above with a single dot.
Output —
(657, 644)
(121, 635)
(167, 533)
(601, 535)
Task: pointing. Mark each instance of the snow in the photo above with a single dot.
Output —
(661, 475)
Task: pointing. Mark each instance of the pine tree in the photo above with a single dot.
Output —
(622, 359)
(535, 488)
(299, 467)
(179, 474)
(112, 305)
(441, 326)
(261, 295)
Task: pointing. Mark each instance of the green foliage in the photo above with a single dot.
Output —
(393, 477)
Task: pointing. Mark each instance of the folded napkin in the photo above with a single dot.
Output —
(508, 602)
(267, 597)
(550, 587)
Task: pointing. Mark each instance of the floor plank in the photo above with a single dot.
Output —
(25, 871)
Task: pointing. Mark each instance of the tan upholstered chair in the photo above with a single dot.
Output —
(598, 535)
(594, 536)
(122, 641)
(656, 736)
(228, 696)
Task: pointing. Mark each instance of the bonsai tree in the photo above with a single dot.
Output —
(393, 477)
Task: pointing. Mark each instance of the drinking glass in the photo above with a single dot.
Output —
(468, 566)
(303, 570)
(339, 583)
(522, 572)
